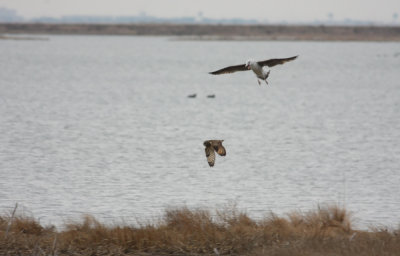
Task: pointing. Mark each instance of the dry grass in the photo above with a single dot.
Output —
(183, 231)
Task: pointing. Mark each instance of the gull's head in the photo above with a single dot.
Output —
(249, 63)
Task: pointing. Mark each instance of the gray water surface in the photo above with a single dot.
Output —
(102, 125)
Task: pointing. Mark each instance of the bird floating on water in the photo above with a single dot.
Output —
(256, 66)
(211, 96)
(192, 95)
(211, 146)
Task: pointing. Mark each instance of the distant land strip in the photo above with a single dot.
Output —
(214, 32)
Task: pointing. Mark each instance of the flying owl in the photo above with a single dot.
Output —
(211, 146)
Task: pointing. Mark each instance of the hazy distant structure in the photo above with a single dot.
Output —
(395, 16)
(9, 15)
(256, 66)
(213, 146)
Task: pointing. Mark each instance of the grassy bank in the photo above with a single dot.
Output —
(325, 231)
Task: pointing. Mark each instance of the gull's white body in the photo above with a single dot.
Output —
(260, 71)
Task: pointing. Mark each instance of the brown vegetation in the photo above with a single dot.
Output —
(326, 231)
(215, 31)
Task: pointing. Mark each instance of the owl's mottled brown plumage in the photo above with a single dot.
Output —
(211, 146)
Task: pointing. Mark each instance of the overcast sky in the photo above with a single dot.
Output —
(271, 10)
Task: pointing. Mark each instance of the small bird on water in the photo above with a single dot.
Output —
(256, 66)
(211, 146)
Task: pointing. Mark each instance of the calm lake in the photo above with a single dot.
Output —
(103, 125)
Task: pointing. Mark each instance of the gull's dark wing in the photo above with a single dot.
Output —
(274, 62)
(230, 69)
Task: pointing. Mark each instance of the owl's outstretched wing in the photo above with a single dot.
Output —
(221, 150)
(210, 156)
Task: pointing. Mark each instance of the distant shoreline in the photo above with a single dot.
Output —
(213, 32)
(2, 37)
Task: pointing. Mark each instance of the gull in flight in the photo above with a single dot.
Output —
(256, 66)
